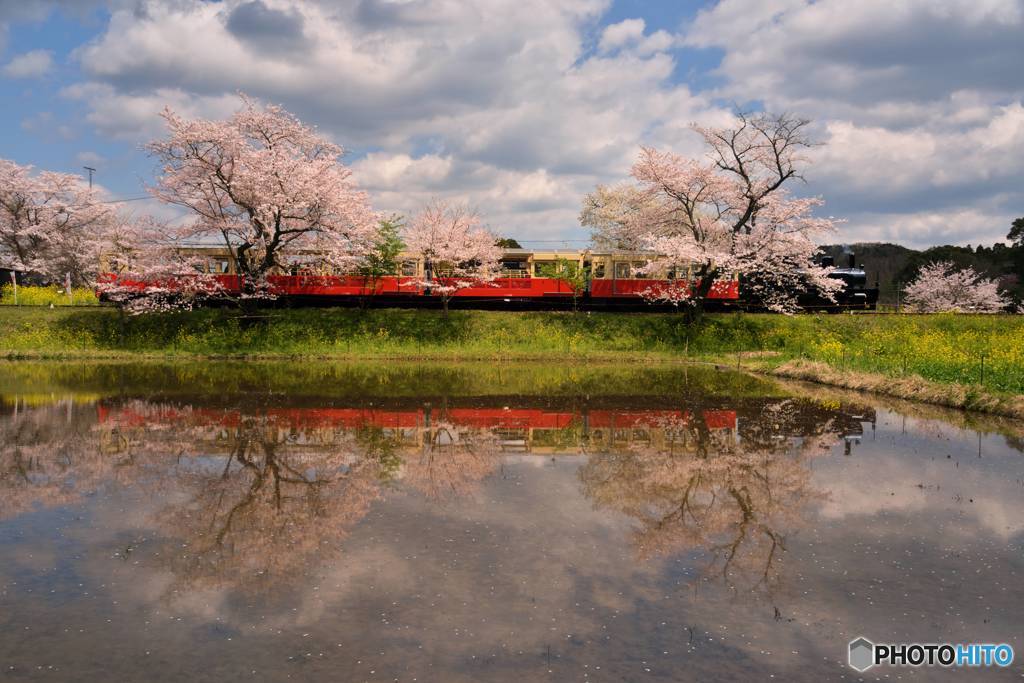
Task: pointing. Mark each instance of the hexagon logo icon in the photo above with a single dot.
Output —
(862, 653)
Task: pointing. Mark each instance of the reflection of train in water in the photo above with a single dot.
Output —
(509, 429)
(527, 279)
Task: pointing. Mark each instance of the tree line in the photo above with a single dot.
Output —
(893, 266)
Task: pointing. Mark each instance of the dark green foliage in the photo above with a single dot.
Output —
(1016, 234)
(383, 260)
(264, 383)
(573, 276)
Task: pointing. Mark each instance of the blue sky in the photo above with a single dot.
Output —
(521, 107)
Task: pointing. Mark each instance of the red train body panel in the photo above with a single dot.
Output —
(331, 286)
(613, 279)
(478, 418)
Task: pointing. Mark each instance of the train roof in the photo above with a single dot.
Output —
(506, 252)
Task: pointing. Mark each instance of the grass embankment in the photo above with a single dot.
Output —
(961, 361)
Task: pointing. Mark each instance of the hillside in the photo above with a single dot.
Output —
(891, 264)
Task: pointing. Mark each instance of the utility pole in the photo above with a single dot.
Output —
(91, 170)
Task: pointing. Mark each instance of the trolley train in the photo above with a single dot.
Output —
(528, 280)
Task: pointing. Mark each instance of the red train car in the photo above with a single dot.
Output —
(529, 278)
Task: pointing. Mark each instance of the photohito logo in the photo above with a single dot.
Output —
(864, 654)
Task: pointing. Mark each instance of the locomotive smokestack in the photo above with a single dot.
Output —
(848, 253)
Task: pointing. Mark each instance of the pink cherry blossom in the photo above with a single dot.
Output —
(727, 215)
(145, 271)
(51, 224)
(941, 288)
(268, 188)
(459, 251)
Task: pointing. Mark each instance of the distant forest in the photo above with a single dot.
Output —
(892, 265)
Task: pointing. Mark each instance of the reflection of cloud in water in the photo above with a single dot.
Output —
(937, 475)
(389, 549)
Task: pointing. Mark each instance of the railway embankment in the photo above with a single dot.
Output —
(965, 361)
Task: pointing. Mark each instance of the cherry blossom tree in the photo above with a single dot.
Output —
(609, 212)
(457, 250)
(941, 288)
(51, 224)
(723, 216)
(268, 188)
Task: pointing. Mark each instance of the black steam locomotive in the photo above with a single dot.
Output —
(856, 295)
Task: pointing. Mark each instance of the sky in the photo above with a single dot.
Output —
(521, 107)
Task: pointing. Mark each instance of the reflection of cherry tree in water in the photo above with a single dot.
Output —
(280, 500)
(240, 500)
(50, 456)
(733, 497)
(452, 462)
(267, 508)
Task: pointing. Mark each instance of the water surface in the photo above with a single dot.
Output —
(489, 522)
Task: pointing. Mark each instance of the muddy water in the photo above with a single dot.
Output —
(506, 523)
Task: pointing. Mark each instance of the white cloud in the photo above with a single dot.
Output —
(136, 117)
(493, 102)
(622, 33)
(509, 105)
(630, 33)
(919, 104)
(46, 126)
(89, 158)
(33, 64)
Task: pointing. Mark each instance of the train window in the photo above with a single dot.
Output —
(545, 268)
(671, 273)
(622, 270)
(599, 270)
(638, 271)
(513, 269)
(408, 269)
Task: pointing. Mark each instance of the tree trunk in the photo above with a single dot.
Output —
(121, 324)
(695, 312)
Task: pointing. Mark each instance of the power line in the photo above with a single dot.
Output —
(126, 199)
(112, 201)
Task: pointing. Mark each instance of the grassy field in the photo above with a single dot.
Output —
(984, 351)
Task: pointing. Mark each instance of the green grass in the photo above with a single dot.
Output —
(339, 333)
(945, 348)
(47, 296)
